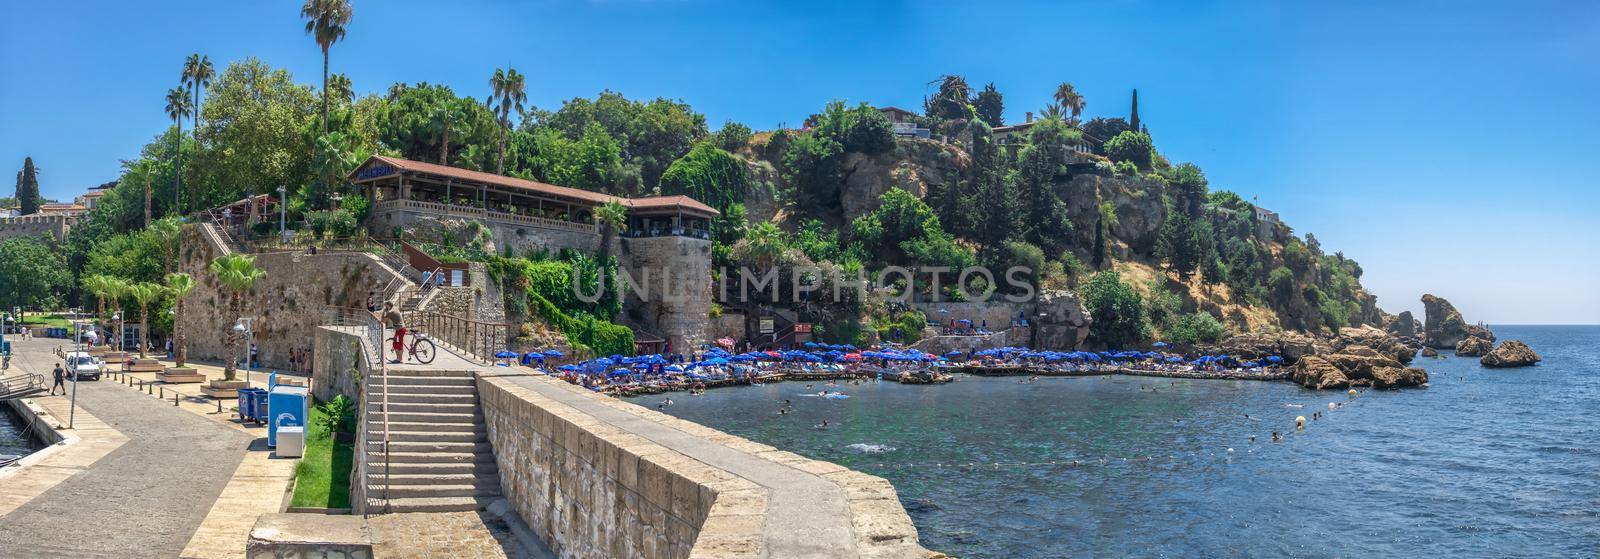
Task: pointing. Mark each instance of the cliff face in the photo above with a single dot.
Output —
(1140, 211)
(915, 165)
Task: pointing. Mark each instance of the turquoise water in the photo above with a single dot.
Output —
(1483, 463)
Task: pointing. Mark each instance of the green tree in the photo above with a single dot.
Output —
(179, 285)
(33, 275)
(1040, 164)
(510, 93)
(951, 101)
(143, 294)
(1068, 98)
(197, 75)
(28, 197)
(1131, 146)
(178, 107)
(1117, 310)
(733, 136)
(990, 106)
(1099, 130)
(613, 217)
(238, 274)
(326, 21)
(260, 131)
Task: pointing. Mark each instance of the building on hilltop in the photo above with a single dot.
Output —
(905, 123)
(667, 238)
(1016, 133)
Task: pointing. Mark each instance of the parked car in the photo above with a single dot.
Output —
(81, 365)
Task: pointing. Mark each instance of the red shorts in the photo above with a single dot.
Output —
(399, 339)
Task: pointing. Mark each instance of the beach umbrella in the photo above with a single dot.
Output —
(1174, 359)
(507, 355)
(1274, 359)
(1161, 344)
(720, 361)
(554, 353)
(675, 368)
(571, 368)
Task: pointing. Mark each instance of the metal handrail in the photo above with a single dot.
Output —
(21, 384)
(476, 338)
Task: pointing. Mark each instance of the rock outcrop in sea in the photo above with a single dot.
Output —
(1474, 346)
(1511, 353)
(1404, 325)
(1445, 327)
(1356, 365)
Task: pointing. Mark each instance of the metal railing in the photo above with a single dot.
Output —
(469, 211)
(20, 385)
(479, 340)
(371, 340)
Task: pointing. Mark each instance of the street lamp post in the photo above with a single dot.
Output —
(72, 408)
(246, 326)
(283, 213)
(116, 318)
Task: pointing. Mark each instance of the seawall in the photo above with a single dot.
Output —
(598, 477)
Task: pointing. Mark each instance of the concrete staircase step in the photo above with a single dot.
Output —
(433, 437)
(468, 478)
(439, 447)
(482, 467)
(436, 389)
(437, 418)
(377, 456)
(425, 398)
(400, 407)
(411, 375)
(416, 427)
(397, 491)
(440, 504)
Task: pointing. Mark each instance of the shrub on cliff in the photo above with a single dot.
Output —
(1117, 310)
(1196, 327)
(1131, 146)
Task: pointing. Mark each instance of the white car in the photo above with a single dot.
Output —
(81, 365)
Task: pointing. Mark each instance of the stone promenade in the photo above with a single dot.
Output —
(146, 498)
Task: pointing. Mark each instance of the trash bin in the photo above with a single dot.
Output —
(287, 406)
(246, 397)
(291, 441)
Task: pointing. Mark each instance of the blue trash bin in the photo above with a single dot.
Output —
(246, 404)
(286, 406)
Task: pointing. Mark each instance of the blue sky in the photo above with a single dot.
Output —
(1450, 147)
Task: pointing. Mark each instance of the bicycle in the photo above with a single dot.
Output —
(420, 347)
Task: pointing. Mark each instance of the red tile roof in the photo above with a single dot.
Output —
(648, 203)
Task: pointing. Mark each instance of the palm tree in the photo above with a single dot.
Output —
(613, 217)
(238, 273)
(179, 285)
(145, 293)
(510, 92)
(197, 75)
(326, 21)
(765, 243)
(116, 288)
(177, 108)
(1069, 99)
(98, 285)
(168, 230)
(439, 119)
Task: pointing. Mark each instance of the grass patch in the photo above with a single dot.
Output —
(53, 321)
(323, 477)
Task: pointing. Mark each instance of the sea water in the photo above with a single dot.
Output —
(14, 437)
(1483, 462)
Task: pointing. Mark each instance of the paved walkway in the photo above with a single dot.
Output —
(807, 516)
(144, 499)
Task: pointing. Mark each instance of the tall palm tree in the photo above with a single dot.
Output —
(168, 230)
(177, 107)
(97, 285)
(116, 289)
(145, 293)
(1069, 99)
(179, 285)
(613, 217)
(765, 243)
(510, 93)
(197, 75)
(326, 21)
(238, 273)
(439, 119)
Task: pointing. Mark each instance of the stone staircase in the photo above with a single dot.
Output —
(439, 457)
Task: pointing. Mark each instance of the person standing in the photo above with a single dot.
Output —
(393, 319)
(61, 379)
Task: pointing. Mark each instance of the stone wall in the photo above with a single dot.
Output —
(996, 310)
(55, 226)
(524, 239)
(677, 301)
(287, 304)
(729, 325)
(337, 363)
(592, 490)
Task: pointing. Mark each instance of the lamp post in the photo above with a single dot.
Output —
(72, 369)
(116, 318)
(246, 326)
(283, 213)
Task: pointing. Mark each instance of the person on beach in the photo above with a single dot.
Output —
(61, 380)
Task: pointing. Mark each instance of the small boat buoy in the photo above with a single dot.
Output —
(1300, 422)
(1230, 449)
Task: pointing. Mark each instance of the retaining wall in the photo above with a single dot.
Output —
(592, 490)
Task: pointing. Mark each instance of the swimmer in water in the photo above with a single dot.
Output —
(1275, 437)
(1252, 438)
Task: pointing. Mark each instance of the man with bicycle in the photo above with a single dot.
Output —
(393, 319)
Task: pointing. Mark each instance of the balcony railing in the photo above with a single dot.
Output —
(690, 232)
(481, 213)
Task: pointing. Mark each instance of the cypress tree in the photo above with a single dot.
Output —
(28, 188)
(1100, 242)
(1133, 118)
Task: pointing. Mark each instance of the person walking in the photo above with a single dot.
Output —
(61, 381)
